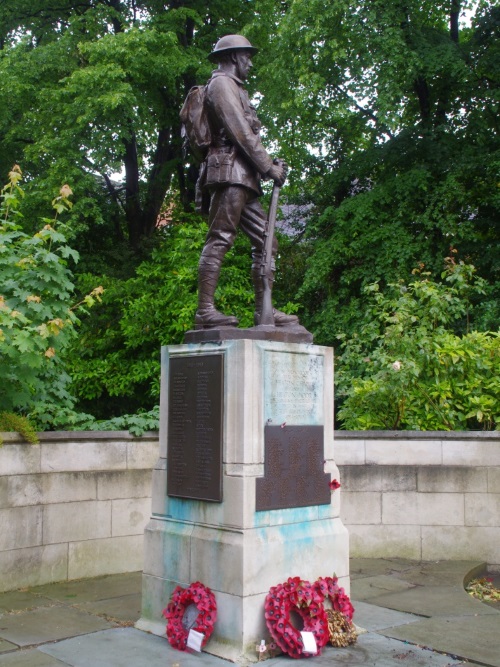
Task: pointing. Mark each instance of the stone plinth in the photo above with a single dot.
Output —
(227, 545)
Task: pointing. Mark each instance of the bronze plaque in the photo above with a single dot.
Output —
(294, 473)
(194, 455)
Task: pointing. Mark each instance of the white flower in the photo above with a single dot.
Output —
(397, 365)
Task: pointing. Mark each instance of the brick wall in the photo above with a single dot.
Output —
(73, 506)
(426, 496)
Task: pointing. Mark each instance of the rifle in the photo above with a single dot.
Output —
(266, 314)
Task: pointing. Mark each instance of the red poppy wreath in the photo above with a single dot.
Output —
(301, 597)
(328, 588)
(190, 608)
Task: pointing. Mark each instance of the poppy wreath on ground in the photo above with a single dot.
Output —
(301, 597)
(328, 588)
(196, 595)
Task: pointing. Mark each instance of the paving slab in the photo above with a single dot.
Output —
(474, 638)
(443, 573)
(89, 590)
(373, 618)
(7, 646)
(123, 647)
(369, 567)
(370, 587)
(125, 609)
(22, 600)
(48, 624)
(372, 650)
(30, 658)
(433, 601)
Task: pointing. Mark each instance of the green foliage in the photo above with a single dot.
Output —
(388, 116)
(36, 318)
(95, 89)
(50, 417)
(12, 422)
(115, 363)
(407, 368)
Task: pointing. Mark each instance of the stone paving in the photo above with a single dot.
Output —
(414, 614)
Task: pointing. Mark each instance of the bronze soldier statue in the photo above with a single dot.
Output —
(235, 164)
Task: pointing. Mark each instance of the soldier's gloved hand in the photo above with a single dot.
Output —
(278, 172)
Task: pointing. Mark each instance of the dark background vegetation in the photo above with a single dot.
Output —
(388, 115)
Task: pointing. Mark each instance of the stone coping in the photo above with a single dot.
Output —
(65, 436)
(70, 436)
(417, 435)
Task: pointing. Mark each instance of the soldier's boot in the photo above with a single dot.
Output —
(207, 316)
(280, 319)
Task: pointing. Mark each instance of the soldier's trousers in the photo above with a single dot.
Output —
(234, 207)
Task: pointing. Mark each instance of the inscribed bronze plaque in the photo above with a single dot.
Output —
(294, 473)
(194, 455)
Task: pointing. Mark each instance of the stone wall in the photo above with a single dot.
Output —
(426, 496)
(76, 504)
(73, 506)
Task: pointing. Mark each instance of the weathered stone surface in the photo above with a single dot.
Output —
(70, 522)
(360, 478)
(349, 452)
(92, 590)
(367, 588)
(68, 487)
(33, 566)
(482, 509)
(78, 456)
(20, 527)
(451, 479)
(142, 454)
(463, 637)
(494, 480)
(92, 558)
(43, 625)
(380, 541)
(361, 508)
(467, 542)
(124, 484)
(19, 459)
(431, 509)
(388, 452)
(475, 453)
(129, 516)
(20, 490)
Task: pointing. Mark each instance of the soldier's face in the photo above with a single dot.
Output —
(243, 64)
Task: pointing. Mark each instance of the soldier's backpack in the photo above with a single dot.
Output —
(195, 127)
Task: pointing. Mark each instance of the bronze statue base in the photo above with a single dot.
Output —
(292, 334)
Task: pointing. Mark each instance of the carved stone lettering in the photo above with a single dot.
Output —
(294, 473)
(194, 455)
(293, 388)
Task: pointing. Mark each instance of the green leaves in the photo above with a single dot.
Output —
(36, 317)
(408, 369)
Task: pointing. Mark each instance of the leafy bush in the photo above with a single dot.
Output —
(37, 316)
(411, 368)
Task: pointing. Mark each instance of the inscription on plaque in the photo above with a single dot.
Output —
(194, 455)
(294, 473)
(293, 388)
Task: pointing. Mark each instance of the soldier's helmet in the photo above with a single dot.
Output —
(231, 43)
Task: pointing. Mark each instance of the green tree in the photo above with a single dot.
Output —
(388, 115)
(407, 368)
(94, 88)
(37, 317)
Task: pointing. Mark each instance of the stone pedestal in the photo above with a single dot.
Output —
(276, 401)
